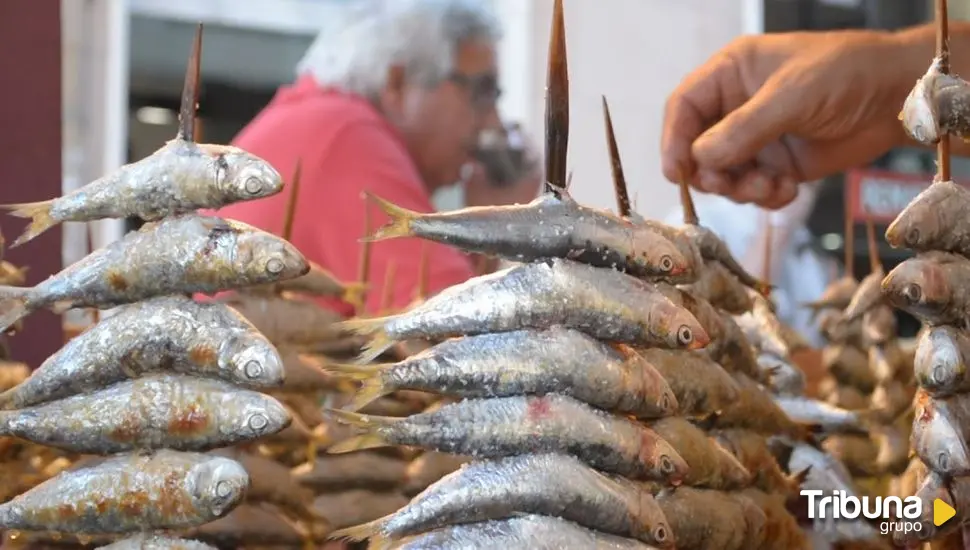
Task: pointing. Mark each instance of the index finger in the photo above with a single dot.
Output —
(697, 103)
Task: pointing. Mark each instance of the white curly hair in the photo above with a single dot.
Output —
(364, 38)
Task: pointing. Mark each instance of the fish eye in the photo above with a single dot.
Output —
(666, 465)
(665, 402)
(274, 266)
(223, 489)
(253, 369)
(912, 292)
(258, 422)
(684, 335)
(912, 236)
(666, 263)
(660, 533)
(939, 374)
(944, 460)
(253, 185)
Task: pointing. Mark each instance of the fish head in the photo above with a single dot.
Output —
(918, 114)
(681, 329)
(218, 485)
(259, 415)
(649, 522)
(653, 254)
(266, 258)
(244, 176)
(934, 487)
(938, 363)
(927, 219)
(917, 286)
(249, 359)
(666, 460)
(936, 440)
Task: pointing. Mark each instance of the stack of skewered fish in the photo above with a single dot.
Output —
(867, 375)
(930, 286)
(582, 384)
(149, 390)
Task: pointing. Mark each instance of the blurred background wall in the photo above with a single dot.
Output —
(124, 61)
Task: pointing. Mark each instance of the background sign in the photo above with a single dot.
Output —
(883, 193)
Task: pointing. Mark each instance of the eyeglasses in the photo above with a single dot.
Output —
(482, 87)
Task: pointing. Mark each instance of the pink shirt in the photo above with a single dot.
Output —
(346, 147)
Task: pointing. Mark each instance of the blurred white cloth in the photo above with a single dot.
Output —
(799, 273)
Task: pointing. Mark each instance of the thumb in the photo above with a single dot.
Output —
(739, 136)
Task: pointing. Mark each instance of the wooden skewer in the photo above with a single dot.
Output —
(557, 102)
(943, 53)
(290, 214)
(190, 90)
(875, 264)
(849, 244)
(387, 296)
(423, 268)
(363, 268)
(620, 189)
(686, 201)
(769, 236)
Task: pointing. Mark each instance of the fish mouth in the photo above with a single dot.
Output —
(701, 340)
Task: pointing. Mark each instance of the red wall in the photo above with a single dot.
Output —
(30, 150)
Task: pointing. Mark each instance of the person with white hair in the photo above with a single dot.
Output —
(389, 99)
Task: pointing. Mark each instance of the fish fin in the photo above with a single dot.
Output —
(354, 293)
(370, 439)
(373, 328)
(14, 305)
(372, 386)
(400, 224)
(360, 532)
(40, 218)
(7, 399)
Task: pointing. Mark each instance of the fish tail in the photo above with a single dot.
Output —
(370, 439)
(8, 399)
(14, 305)
(40, 218)
(372, 384)
(372, 328)
(358, 532)
(400, 224)
(353, 294)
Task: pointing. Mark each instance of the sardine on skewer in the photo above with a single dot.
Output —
(185, 254)
(529, 532)
(548, 484)
(129, 494)
(170, 334)
(603, 303)
(535, 362)
(551, 226)
(938, 104)
(502, 426)
(156, 411)
(178, 178)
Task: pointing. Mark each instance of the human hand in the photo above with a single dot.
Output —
(768, 112)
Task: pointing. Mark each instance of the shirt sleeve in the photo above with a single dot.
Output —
(366, 156)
